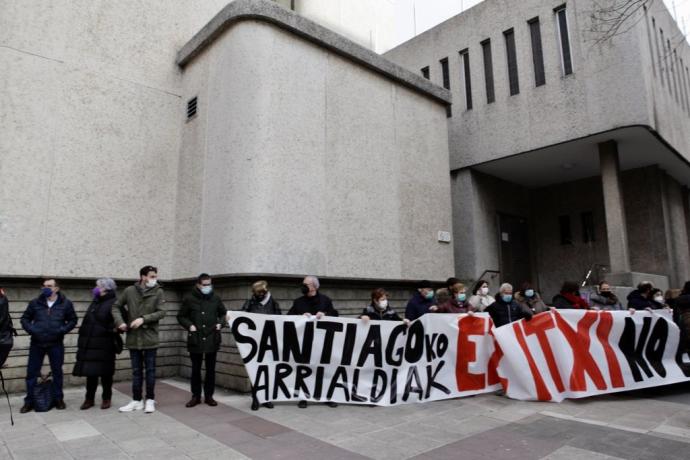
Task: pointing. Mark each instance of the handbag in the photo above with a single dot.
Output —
(119, 345)
(43, 394)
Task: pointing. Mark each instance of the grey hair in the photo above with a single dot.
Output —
(505, 286)
(314, 280)
(106, 283)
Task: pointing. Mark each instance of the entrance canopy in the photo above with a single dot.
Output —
(638, 146)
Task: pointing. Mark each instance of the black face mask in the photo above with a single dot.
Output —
(261, 296)
(305, 289)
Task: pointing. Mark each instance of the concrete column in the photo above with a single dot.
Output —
(676, 232)
(616, 230)
(686, 208)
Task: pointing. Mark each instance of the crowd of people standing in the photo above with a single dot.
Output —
(137, 312)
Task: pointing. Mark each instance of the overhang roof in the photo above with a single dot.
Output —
(270, 12)
(638, 146)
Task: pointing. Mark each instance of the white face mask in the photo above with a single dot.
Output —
(151, 283)
(383, 304)
(659, 299)
(484, 291)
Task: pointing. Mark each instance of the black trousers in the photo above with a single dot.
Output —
(92, 386)
(210, 377)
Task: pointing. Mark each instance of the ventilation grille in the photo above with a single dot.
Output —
(191, 108)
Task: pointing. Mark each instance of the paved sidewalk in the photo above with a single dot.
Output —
(654, 424)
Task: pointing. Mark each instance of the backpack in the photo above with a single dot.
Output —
(43, 394)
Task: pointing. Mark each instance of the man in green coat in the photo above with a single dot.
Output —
(202, 315)
(138, 312)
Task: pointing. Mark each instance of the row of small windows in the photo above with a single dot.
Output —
(676, 73)
(511, 56)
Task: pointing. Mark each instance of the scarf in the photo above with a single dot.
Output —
(575, 300)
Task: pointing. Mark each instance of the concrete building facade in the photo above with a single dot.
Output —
(245, 140)
(568, 153)
(235, 138)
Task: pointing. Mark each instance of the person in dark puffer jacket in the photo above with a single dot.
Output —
(682, 307)
(261, 301)
(379, 309)
(47, 319)
(7, 331)
(96, 345)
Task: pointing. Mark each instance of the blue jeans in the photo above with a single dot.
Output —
(141, 359)
(56, 357)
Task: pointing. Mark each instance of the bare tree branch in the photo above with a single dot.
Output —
(611, 18)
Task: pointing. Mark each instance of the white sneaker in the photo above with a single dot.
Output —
(150, 406)
(132, 406)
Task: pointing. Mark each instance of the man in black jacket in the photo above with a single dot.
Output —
(202, 314)
(313, 303)
(505, 309)
(639, 299)
(47, 319)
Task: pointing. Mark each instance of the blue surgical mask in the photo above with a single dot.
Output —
(429, 295)
(507, 298)
(206, 290)
(529, 292)
(46, 292)
(462, 297)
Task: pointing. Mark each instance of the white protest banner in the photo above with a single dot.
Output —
(377, 362)
(576, 353)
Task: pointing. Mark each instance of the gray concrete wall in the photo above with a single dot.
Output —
(558, 262)
(91, 103)
(643, 198)
(676, 231)
(668, 105)
(309, 164)
(349, 298)
(612, 85)
(477, 201)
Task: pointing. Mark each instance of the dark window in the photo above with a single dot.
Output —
(658, 52)
(678, 75)
(465, 56)
(687, 79)
(685, 85)
(537, 53)
(670, 66)
(649, 39)
(425, 72)
(446, 81)
(564, 37)
(488, 71)
(444, 73)
(587, 227)
(665, 63)
(191, 108)
(566, 232)
(512, 62)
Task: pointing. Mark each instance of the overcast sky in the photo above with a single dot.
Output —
(429, 13)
